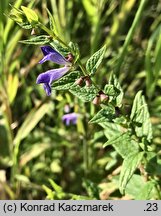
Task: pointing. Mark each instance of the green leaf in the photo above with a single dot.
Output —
(105, 114)
(85, 93)
(66, 81)
(22, 178)
(95, 60)
(25, 25)
(111, 90)
(129, 166)
(49, 192)
(30, 14)
(13, 83)
(91, 10)
(152, 61)
(74, 50)
(19, 17)
(146, 192)
(141, 118)
(123, 144)
(117, 88)
(55, 186)
(91, 188)
(51, 21)
(16, 15)
(33, 152)
(38, 40)
(59, 47)
(111, 129)
(31, 121)
(135, 185)
(153, 166)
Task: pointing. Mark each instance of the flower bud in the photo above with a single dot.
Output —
(96, 100)
(88, 81)
(67, 108)
(79, 81)
(103, 97)
(70, 57)
(33, 32)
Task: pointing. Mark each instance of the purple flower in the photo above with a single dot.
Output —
(70, 118)
(52, 55)
(49, 76)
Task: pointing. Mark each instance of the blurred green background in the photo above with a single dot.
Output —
(39, 155)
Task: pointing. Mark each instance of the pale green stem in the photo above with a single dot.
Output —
(85, 155)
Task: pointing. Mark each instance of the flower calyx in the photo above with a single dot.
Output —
(103, 96)
(96, 100)
(83, 79)
(70, 57)
(100, 97)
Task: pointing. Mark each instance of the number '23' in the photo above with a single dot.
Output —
(152, 207)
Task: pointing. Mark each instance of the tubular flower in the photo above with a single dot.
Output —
(51, 75)
(52, 55)
(70, 118)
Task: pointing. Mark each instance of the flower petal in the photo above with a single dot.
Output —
(70, 118)
(52, 75)
(52, 55)
(47, 89)
(46, 50)
(49, 76)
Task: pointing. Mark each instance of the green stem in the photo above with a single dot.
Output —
(86, 74)
(15, 161)
(85, 155)
(52, 34)
(130, 35)
(82, 67)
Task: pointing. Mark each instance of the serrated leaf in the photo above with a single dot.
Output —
(146, 192)
(59, 47)
(74, 50)
(135, 185)
(129, 166)
(140, 117)
(111, 129)
(66, 81)
(104, 115)
(95, 60)
(111, 90)
(85, 93)
(25, 25)
(38, 40)
(117, 87)
(30, 14)
(123, 144)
